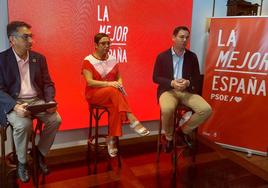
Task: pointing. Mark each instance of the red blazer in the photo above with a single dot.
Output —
(163, 72)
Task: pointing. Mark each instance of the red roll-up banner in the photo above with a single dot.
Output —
(63, 32)
(235, 84)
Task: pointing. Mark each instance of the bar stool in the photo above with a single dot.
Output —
(9, 161)
(34, 166)
(7, 167)
(94, 147)
(177, 149)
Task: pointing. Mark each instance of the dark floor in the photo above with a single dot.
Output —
(140, 169)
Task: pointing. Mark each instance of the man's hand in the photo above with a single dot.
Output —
(180, 84)
(21, 111)
(52, 110)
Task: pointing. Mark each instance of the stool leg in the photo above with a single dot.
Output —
(35, 157)
(88, 157)
(35, 162)
(3, 160)
(43, 181)
(109, 158)
(195, 146)
(89, 139)
(159, 144)
(96, 140)
(174, 157)
(174, 153)
(90, 122)
(118, 152)
(34, 167)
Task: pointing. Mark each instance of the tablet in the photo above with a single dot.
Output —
(37, 108)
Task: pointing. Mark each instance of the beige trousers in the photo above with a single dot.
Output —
(22, 128)
(169, 101)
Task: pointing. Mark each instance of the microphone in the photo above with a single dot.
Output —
(122, 90)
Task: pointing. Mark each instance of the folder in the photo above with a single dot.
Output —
(37, 108)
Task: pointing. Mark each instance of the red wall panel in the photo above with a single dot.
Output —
(63, 32)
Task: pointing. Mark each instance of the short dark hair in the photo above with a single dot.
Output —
(177, 30)
(99, 36)
(13, 26)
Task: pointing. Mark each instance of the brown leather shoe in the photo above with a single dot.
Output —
(169, 146)
(41, 162)
(22, 172)
(42, 165)
(186, 139)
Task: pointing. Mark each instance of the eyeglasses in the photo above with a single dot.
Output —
(25, 37)
(105, 43)
(184, 37)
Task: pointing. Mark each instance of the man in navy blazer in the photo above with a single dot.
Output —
(25, 80)
(176, 72)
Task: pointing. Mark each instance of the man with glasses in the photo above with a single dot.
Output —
(176, 72)
(25, 80)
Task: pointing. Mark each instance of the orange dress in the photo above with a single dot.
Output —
(110, 97)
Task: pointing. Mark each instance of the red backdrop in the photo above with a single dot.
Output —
(236, 82)
(63, 32)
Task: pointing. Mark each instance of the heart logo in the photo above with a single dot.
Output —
(238, 99)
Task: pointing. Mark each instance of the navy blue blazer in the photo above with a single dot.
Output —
(163, 72)
(10, 80)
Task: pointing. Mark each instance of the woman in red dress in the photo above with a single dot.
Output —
(104, 87)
